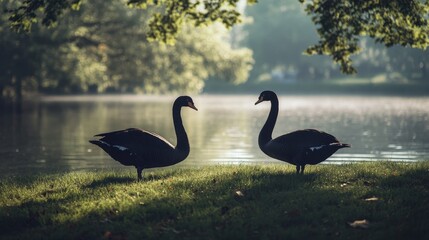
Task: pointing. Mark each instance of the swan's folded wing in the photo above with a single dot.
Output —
(134, 137)
(117, 132)
(306, 138)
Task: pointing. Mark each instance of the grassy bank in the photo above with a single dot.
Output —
(221, 202)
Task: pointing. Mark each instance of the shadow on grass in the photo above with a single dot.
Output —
(196, 208)
(109, 180)
(407, 195)
(237, 204)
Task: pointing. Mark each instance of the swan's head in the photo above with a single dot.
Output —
(266, 96)
(186, 101)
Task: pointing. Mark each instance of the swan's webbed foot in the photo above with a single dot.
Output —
(300, 169)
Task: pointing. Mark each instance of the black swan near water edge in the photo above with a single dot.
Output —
(301, 147)
(143, 149)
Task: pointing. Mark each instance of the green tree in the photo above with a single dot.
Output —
(278, 43)
(103, 47)
(19, 59)
(340, 24)
(137, 65)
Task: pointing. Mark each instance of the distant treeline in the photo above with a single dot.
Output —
(103, 47)
(280, 32)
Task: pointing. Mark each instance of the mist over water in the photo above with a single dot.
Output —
(53, 134)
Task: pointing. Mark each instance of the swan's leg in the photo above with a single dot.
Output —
(303, 159)
(139, 173)
(302, 169)
(298, 160)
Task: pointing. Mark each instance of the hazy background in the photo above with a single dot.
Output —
(60, 76)
(102, 48)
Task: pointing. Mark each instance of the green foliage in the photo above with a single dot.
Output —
(220, 202)
(28, 11)
(342, 23)
(278, 43)
(166, 21)
(103, 47)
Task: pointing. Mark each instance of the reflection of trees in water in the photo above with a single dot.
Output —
(61, 129)
(24, 146)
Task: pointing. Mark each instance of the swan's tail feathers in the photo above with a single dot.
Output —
(119, 153)
(103, 145)
(341, 145)
(345, 145)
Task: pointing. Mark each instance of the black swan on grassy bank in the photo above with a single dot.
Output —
(143, 149)
(308, 146)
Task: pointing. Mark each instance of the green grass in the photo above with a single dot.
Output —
(204, 203)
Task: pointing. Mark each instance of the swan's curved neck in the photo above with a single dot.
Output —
(182, 138)
(267, 130)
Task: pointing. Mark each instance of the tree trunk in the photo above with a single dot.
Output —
(18, 90)
(424, 71)
(1, 95)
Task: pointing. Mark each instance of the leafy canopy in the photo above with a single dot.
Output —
(165, 24)
(390, 22)
(340, 24)
(102, 48)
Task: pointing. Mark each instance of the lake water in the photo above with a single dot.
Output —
(53, 134)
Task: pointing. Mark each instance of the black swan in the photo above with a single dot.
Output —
(143, 149)
(308, 146)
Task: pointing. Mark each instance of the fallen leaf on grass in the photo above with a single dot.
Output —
(359, 224)
(343, 184)
(371, 199)
(239, 194)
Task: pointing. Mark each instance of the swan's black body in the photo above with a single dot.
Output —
(300, 147)
(143, 149)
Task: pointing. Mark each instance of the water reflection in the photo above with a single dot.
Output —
(53, 134)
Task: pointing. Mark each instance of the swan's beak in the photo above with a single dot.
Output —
(261, 99)
(191, 105)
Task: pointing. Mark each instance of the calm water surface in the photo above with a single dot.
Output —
(53, 134)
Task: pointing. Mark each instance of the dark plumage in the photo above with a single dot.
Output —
(300, 147)
(143, 149)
